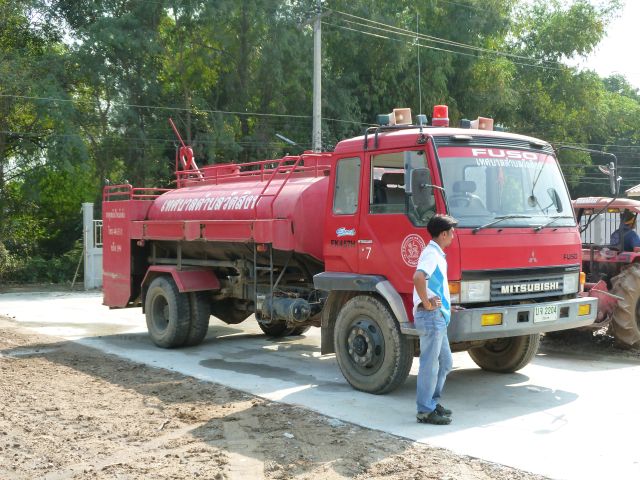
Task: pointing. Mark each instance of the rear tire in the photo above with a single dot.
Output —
(506, 355)
(625, 325)
(167, 313)
(279, 328)
(300, 330)
(200, 310)
(373, 355)
(227, 311)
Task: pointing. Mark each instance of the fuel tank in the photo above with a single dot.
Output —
(301, 199)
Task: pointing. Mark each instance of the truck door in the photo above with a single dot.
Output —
(392, 235)
(341, 228)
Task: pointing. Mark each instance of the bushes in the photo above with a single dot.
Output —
(36, 269)
(7, 262)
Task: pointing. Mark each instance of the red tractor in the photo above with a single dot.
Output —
(613, 271)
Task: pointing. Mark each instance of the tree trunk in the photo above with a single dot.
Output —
(3, 146)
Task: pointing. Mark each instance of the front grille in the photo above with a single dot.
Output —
(515, 288)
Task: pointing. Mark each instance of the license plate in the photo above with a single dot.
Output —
(546, 313)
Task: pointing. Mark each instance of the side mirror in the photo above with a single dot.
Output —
(421, 191)
(614, 180)
(555, 198)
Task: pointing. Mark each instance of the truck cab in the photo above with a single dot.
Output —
(514, 265)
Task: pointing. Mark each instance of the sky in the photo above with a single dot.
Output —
(619, 51)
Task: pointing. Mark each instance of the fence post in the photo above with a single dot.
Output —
(92, 252)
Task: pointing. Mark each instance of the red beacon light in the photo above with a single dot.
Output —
(440, 116)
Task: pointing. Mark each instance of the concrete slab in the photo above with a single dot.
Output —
(567, 417)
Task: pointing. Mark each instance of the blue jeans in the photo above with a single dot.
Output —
(435, 358)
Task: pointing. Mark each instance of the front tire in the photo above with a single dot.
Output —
(373, 355)
(506, 355)
(167, 313)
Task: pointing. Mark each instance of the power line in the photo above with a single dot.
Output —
(403, 31)
(139, 140)
(463, 5)
(180, 109)
(430, 47)
(372, 24)
(603, 145)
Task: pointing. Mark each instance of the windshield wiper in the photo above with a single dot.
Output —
(498, 220)
(553, 219)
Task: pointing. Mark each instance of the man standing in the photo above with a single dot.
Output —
(432, 312)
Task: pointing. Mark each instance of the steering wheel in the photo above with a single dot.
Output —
(467, 200)
(459, 201)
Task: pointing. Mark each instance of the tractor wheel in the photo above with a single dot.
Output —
(506, 355)
(373, 355)
(280, 329)
(625, 325)
(199, 321)
(227, 311)
(167, 313)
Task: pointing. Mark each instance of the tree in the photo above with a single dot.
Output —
(35, 135)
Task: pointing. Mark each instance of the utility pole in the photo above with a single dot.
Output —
(316, 137)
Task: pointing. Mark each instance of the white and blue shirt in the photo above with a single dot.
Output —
(433, 264)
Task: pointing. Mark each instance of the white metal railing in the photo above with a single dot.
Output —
(599, 232)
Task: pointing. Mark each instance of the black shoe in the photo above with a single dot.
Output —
(443, 411)
(433, 418)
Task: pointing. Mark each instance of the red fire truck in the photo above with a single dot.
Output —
(332, 240)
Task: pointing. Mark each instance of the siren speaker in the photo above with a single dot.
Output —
(402, 116)
(482, 123)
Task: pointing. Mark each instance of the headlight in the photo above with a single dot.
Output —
(476, 291)
(571, 282)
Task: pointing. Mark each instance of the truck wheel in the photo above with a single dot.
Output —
(199, 320)
(506, 355)
(279, 329)
(372, 353)
(226, 311)
(625, 326)
(167, 313)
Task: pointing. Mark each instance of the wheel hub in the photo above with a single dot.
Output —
(364, 343)
(160, 313)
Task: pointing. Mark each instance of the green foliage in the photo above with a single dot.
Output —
(87, 87)
(38, 269)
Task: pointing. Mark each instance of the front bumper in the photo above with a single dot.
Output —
(517, 320)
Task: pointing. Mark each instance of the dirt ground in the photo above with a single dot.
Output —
(71, 412)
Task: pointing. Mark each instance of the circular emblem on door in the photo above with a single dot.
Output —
(411, 249)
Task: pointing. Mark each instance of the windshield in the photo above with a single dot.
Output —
(520, 188)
